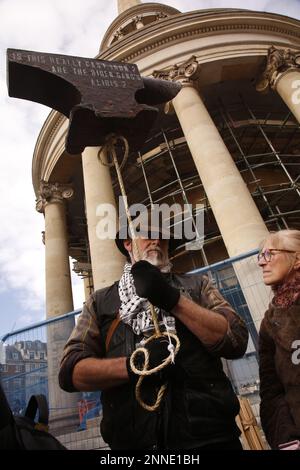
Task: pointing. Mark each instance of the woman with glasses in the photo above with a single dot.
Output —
(279, 339)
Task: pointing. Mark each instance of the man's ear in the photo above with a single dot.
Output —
(128, 245)
(297, 262)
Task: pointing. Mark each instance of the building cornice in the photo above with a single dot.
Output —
(142, 10)
(49, 147)
(199, 24)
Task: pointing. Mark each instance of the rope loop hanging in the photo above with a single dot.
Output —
(110, 152)
(144, 372)
(109, 149)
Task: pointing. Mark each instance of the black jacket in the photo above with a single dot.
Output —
(280, 374)
(199, 406)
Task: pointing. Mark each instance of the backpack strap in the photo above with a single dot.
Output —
(107, 306)
(113, 326)
(38, 403)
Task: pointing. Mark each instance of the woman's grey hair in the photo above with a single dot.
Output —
(284, 239)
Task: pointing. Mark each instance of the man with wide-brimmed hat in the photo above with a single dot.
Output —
(198, 408)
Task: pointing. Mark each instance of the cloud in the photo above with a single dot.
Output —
(68, 27)
(289, 8)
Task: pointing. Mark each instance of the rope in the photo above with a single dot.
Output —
(109, 149)
(146, 372)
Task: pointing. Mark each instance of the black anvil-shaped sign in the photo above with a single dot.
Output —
(99, 97)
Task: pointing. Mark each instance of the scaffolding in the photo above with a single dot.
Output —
(264, 143)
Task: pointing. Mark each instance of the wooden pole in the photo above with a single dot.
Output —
(251, 434)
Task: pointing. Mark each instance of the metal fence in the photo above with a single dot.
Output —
(29, 357)
(243, 373)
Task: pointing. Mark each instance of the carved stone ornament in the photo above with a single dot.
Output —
(83, 269)
(161, 15)
(51, 193)
(278, 61)
(119, 34)
(186, 73)
(138, 21)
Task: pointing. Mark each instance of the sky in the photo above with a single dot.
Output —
(73, 27)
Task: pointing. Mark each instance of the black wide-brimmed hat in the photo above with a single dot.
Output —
(143, 226)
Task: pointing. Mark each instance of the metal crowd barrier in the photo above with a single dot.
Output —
(25, 353)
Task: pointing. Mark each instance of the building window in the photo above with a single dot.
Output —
(31, 355)
(42, 356)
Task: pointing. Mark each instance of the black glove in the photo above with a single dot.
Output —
(158, 352)
(150, 284)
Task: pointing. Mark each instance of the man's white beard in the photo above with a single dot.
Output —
(158, 259)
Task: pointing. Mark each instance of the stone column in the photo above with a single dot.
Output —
(282, 73)
(236, 214)
(51, 199)
(107, 261)
(59, 300)
(88, 286)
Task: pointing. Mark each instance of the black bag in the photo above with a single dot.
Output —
(23, 432)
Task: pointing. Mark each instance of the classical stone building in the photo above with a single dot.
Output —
(24, 372)
(230, 140)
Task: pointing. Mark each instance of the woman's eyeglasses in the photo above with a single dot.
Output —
(268, 254)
